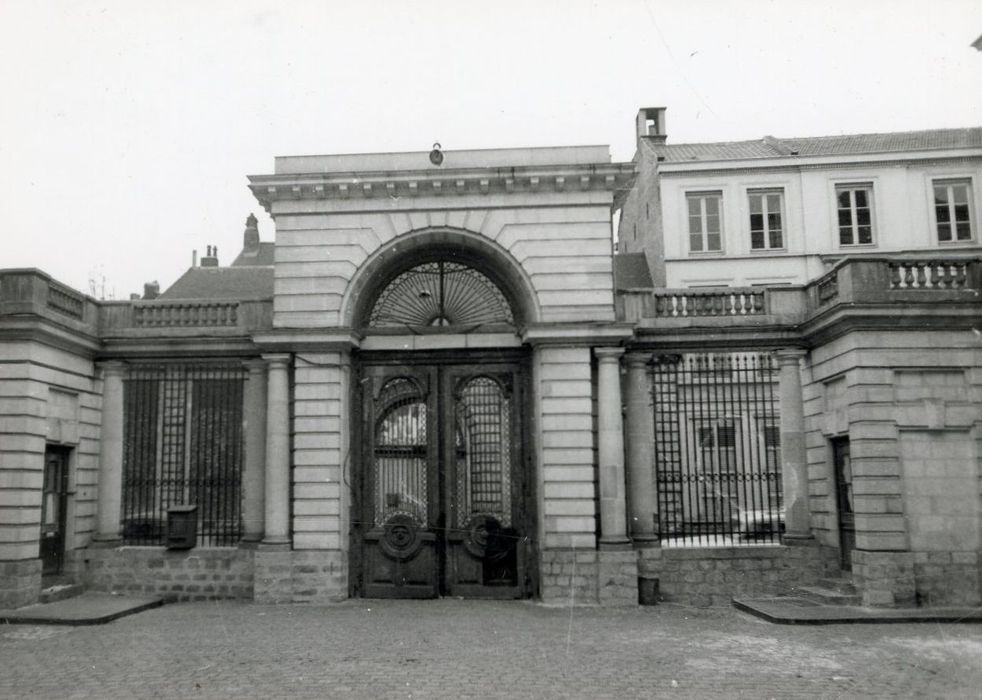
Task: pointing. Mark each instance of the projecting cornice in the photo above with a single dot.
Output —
(603, 177)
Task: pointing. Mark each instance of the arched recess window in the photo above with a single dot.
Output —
(440, 294)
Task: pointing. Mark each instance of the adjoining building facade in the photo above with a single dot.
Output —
(441, 380)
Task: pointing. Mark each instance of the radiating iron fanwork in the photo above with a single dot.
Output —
(717, 449)
(437, 294)
(182, 445)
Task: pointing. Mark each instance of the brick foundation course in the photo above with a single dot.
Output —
(948, 578)
(569, 577)
(885, 579)
(20, 582)
(195, 574)
(704, 577)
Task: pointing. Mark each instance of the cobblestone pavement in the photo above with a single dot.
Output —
(477, 649)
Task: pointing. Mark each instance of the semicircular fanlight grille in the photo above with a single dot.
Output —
(440, 294)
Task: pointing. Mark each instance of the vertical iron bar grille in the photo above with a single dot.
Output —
(182, 445)
(483, 442)
(717, 449)
(400, 452)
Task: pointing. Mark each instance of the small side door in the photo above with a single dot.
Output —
(844, 502)
(54, 503)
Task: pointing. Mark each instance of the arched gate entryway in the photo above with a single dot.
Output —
(444, 501)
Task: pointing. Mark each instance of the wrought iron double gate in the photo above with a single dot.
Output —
(717, 448)
(443, 500)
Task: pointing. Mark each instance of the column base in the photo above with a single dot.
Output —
(615, 544)
(646, 541)
(274, 545)
(106, 541)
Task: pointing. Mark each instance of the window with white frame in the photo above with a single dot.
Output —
(705, 221)
(766, 219)
(854, 204)
(953, 210)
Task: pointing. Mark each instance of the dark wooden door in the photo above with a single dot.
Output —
(844, 501)
(443, 490)
(53, 511)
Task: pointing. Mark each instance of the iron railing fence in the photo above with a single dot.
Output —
(182, 445)
(717, 448)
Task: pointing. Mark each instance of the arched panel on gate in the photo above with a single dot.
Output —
(436, 278)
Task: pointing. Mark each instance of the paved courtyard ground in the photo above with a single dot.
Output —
(477, 649)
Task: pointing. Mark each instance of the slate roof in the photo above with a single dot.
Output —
(262, 256)
(846, 144)
(254, 282)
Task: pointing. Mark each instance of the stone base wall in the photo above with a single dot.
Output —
(569, 577)
(195, 574)
(20, 582)
(948, 578)
(704, 577)
(319, 576)
(617, 584)
(885, 579)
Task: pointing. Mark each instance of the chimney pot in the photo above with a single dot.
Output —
(151, 290)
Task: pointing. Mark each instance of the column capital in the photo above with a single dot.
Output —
(608, 354)
(113, 367)
(278, 359)
(255, 365)
(788, 356)
(637, 360)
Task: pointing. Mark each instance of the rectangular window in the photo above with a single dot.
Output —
(766, 220)
(953, 210)
(855, 210)
(705, 223)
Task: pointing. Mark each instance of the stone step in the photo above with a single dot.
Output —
(841, 584)
(828, 596)
(61, 592)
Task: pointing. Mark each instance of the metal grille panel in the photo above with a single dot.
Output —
(400, 452)
(483, 416)
(717, 449)
(182, 444)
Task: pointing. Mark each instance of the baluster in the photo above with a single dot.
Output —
(909, 276)
(921, 275)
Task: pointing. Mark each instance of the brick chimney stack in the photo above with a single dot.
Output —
(151, 290)
(650, 124)
(210, 258)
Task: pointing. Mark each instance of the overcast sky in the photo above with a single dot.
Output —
(127, 129)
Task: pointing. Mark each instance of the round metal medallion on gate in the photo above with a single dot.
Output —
(478, 528)
(401, 537)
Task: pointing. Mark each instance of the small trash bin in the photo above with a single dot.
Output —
(182, 527)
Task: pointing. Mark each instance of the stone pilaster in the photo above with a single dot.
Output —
(640, 434)
(610, 444)
(277, 498)
(110, 490)
(794, 468)
(253, 473)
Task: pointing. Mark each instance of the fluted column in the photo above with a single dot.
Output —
(640, 433)
(110, 454)
(277, 500)
(253, 472)
(610, 439)
(797, 521)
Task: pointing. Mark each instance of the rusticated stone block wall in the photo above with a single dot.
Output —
(569, 577)
(705, 577)
(885, 579)
(196, 574)
(20, 582)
